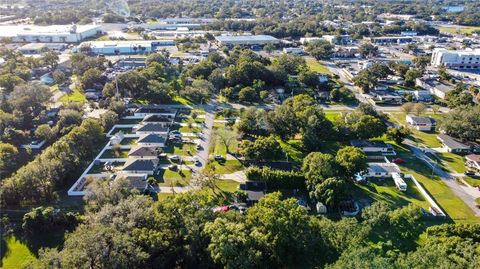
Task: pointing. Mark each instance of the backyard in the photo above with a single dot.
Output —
(316, 66)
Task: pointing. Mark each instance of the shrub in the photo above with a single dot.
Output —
(277, 179)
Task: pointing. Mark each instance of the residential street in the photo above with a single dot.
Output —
(467, 194)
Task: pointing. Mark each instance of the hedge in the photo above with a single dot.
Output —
(276, 179)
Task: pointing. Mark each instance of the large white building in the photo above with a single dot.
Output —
(456, 59)
(49, 34)
(124, 47)
(246, 40)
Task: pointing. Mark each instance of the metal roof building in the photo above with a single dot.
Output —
(246, 39)
(49, 34)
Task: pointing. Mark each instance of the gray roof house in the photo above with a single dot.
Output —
(453, 145)
(374, 147)
(140, 166)
(153, 128)
(143, 152)
(152, 140)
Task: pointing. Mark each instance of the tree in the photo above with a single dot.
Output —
(226, 137)
(461, 122)
(419, 108)
(368, 50)
(309, 78)
(252, 121)
(91, 77)
(442, 71)
(435, 109)
(9, 81)
(320, 49)
(108, 119)
(398, 134)
(263, 149)
(317, 167)
(50, 58)
(207, 179)
(408, 107)
(331, 191)
(248, 95)
(353, 160)
(59, 77)
(421, 62)
(44, 132)
(411, 76)
(8, 156)
(368, 127)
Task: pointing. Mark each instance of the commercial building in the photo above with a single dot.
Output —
(306, 40)
(338, 39)
(390, 40)
(124, 47)
(38, 48)
(246, 40)
(49, 34)
(456, 59)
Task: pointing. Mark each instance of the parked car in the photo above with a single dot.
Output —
(173, 167)
(217, 157)
(199, 147)
(469, 173)
(174, 158)
(196, 161)
(398, 161)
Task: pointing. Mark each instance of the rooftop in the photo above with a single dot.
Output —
(383, 168)
(142, 151)
(473, 158)
(245, 38)
(157, 118)
(140, 165)
(451, 142)
(152, 127)
(16, 30)
(370, 144)
(152, 138)
(421, 120)
(138, 182)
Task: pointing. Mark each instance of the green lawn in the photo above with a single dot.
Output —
(428, 139)
(181, 100)
(74, 96)
(459, 29)
(17, 254)
(181, 149)
(456, 162)
(455, 208)
(332, 115)
(385, 190)
(228, 166)
(129, 121)
(129, 141)
(110, 153)
(186, 129)
(228, 185)
(314, 65)
(167, 177)
(124, 130)
(293, 148)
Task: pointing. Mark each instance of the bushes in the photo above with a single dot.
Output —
(37, 181)
(277, 179)
(42, 219)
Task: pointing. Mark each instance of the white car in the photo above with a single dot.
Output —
(174, 158)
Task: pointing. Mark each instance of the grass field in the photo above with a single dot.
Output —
(459, 29)
(180, 149)
(74, 96)
(227, 185)
(110, 153)
(228, 166)
(428, 139)
(129, 141)
(332, 115)
(314, 65)
(455, 208)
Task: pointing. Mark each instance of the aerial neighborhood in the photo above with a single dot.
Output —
(240, 134)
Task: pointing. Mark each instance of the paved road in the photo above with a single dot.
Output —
(467, 194)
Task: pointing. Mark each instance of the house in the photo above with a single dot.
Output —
(293, 50)
(255, 190)
(381, 170)
(158, 119)
(420, 123)
(452, 145)
(152, 140)
(151, 128)
(472, 161)
(374, 147)
(434, 86)
(423, 96)
(134, 181)
(143, 152)
(140, 166)
(155, 110)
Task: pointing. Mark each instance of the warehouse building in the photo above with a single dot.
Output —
(456, 59)
(49, 34)
(125, 47)
(246, 40)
